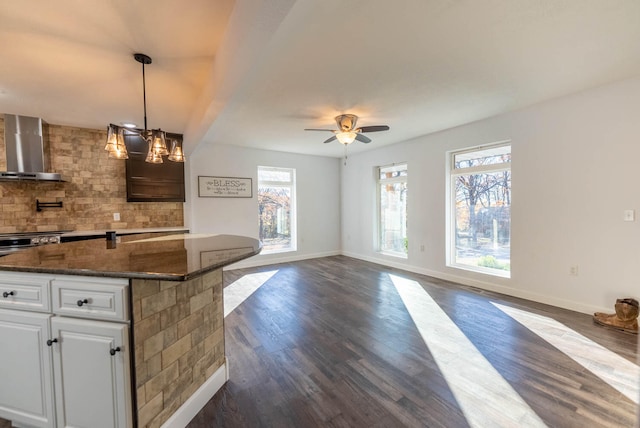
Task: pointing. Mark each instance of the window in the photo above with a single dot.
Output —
(276, 208)
(481, 209)
(392, 199)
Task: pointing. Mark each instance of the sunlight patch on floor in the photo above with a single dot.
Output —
(484, 396)
(620, 373)
(239, 290)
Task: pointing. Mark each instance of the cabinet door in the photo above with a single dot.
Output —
(92, 385)
(152, 182)
(26, 389)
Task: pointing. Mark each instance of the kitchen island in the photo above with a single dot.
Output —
(126, 332)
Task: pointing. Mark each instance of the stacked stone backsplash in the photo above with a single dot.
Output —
(94, 189)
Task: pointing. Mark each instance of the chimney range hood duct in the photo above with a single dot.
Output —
(26, 147)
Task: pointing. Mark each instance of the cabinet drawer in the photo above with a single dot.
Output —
(24, 292)
(92, 299)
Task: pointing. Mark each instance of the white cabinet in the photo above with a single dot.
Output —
(29, 292)
(26, 387)
(70, 366)
(91, 367)
(99, 299)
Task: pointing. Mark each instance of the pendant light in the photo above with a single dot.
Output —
(152, 156)
(176, 154)
(156, 138)
(115, 143)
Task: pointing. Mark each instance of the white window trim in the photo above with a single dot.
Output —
(481, 169)
(294, 209)
(452, 174)
(379, 181)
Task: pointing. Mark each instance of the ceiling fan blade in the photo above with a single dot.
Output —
(374, 128)
(330, 139)
(316, 129)
(362, 138)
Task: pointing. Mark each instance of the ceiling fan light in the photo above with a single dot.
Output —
(346, 137)
(176, 154)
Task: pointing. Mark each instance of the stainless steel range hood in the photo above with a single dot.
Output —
(26, 147)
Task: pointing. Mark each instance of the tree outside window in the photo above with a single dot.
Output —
(276, 209)
(392, 198)
(481, 184)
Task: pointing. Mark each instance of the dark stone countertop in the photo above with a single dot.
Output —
(172, 257)
(101, 233)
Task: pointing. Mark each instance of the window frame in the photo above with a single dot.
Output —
(293, 206)
(379, 183)
(452, 174)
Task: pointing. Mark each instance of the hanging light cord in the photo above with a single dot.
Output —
(143, 59)
(345, 154)
(144, 98)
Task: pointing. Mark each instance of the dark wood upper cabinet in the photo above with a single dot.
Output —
(150, 182)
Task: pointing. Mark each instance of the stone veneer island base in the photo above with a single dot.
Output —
(174, 313)
(178, 335)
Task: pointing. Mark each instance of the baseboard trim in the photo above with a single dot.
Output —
(197, 401)
(485, 285)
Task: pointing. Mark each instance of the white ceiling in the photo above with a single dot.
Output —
(256, 73)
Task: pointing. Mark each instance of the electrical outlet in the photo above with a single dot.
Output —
(116, 216)
(629, 215)
(573, 270)
(422, 247)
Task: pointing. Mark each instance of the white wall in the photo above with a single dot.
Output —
(317, 191)
(575, 168)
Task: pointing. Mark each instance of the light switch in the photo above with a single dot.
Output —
(629, 215)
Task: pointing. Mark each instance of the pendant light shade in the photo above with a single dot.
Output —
(176, 154)
(115, 143)
(152, 156)
(159, 142)
(156, 138)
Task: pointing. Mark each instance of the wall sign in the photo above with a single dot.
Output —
(224, 187)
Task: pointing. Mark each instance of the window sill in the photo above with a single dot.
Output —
(284, 250)
(493, 272)
(394, 254)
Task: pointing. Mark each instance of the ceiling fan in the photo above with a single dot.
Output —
(347, 132)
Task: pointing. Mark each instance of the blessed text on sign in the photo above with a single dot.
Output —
(224, 187)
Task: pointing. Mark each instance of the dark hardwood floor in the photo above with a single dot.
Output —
(330, 343)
